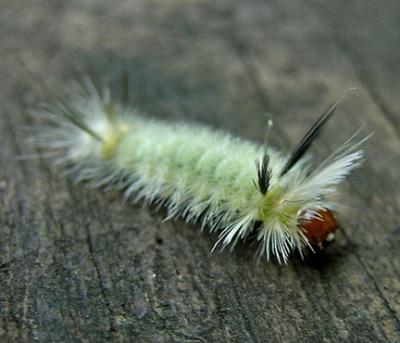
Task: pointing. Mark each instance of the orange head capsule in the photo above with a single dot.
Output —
(320, 229)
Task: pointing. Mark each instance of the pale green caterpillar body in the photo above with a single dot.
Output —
(197, 173)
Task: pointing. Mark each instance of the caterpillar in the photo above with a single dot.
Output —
(243, 190)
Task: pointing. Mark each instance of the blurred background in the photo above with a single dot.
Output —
(77, 265)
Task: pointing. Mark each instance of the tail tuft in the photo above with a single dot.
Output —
(85, 125)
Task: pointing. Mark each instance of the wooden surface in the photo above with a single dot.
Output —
(81, 266)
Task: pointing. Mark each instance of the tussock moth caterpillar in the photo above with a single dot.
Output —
(201, 174)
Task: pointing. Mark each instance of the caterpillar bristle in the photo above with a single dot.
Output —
(309, 138)
(264, 174)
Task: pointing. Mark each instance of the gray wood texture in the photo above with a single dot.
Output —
(79, 265)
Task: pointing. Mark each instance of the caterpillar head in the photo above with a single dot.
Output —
(288, 223)
(294, 208)
(319, 230)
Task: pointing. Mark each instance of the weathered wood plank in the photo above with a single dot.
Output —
(79, 265)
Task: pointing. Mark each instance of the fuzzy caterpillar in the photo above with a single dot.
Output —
(200, 174)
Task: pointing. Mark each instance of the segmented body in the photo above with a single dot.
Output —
(197, 173)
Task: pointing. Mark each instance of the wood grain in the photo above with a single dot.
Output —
(81, 266)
